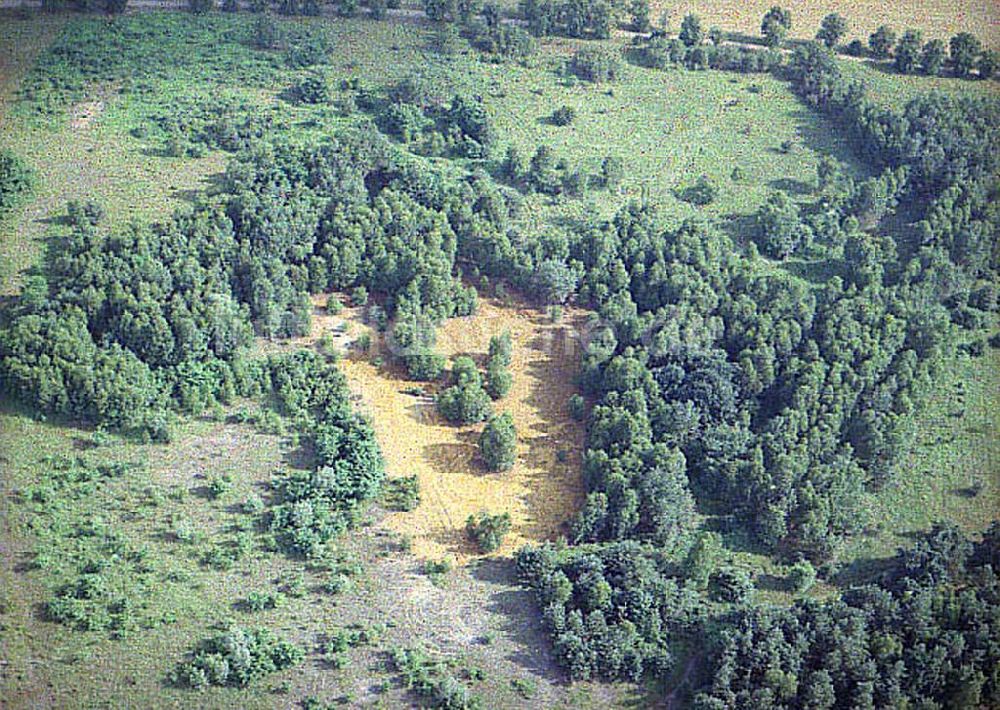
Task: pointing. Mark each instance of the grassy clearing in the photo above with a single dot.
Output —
(477, 617)
(895, 90)
(540, 492)
(953, 472)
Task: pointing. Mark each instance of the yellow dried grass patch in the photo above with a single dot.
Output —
(937, 18)
(541, 493)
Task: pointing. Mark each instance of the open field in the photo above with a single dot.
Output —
(937, 18)
(895, 90)
(477, 615)
(541, 492)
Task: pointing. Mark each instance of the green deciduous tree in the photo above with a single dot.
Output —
(498, 443)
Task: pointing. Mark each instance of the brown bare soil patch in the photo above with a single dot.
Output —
(541, 492)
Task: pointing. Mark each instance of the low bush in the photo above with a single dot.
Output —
(488, 531)
(236, 658)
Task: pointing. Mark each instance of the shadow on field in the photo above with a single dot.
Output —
(862, 571)
(792, 187)
(521, 616)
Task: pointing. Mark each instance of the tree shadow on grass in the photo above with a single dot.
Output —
(518, 608)
(792, 187)
(863, 571)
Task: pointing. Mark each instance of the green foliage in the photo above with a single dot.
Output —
(16, 180)
(881, 42)
(591, 19)
(702, 193)
(498, 443)
(487, 531)
(731, 584)
(563, 116)
(940, 604)
(503, 40)
(312, 89)
(501, 349)
(262, 601)
(200, 7)
(964, 50)
(236, 658)
(802, 576)
(989, 62)
(498, 380)
(611, 612)
(432, 681)
(597, 64)
(465, 402)
(402, 494)
(441, 10)
(779, 227)
(612, 171)
(691, 33)
(908, 52)
(775, 25)
(932, 57)
(832, 29)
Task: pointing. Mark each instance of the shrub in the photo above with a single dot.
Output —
(501, 348)
(488, 531)
(701, 193)
(731, 584)
(402, 494)
(498, 380)
(200, 7)
(262, 601)
(312, 89)
(307, 53)
(464, 404)
(359, 296)
(236, 658)
(802, 576)
(612, 171)
(563, 116)
(498, 443)
(16, 180)
(265, 32)
(424, 365)
(433, 682)
(577, 407)
(597, 64)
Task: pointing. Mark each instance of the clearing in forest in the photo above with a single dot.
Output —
(543, 489)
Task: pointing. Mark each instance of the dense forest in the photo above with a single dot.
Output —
(713, 380)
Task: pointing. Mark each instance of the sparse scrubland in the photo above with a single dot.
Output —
(440, 355)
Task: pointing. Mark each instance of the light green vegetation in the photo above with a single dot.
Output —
(892, 89)
(953, 472)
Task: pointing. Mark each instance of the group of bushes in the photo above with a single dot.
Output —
(193, 126)
(926, 636)
(237, 658)
(16, 180)
(433, 681)
(661, 52)
(487, 531)
(911, 55)
(547, 174)
(460, 129)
